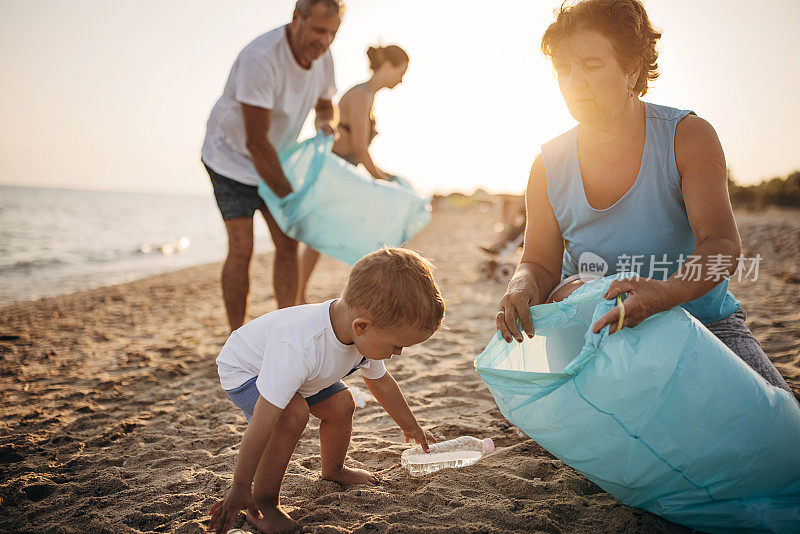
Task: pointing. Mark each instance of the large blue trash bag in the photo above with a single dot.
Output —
(339, 212)
(662, 416)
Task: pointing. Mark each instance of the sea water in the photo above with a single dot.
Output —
(55, 241)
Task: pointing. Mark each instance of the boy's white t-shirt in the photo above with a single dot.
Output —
(265, 75)
(291, 350)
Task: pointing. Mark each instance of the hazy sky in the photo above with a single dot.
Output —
(115, 94)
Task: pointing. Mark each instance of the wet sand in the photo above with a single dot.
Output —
(112, 419)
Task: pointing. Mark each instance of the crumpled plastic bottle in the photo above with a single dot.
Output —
(458, 452)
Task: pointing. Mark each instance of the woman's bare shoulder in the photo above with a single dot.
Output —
(697, 146)
(693, 129)
(357, 96)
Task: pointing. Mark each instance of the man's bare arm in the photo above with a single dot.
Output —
(265, 159)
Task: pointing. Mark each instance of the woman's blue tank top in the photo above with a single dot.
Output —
(646, 231)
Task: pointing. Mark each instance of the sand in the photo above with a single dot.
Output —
(112, 419)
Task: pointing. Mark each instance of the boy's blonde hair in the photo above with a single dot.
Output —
(395, 288)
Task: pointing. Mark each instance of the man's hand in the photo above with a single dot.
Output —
(224, 512)
(281, 189)
(324, 117)
(415, 433)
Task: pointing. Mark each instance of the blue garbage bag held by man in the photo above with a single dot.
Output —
(339, 212)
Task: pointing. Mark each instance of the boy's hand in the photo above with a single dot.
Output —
(416, 433)
(225, 511)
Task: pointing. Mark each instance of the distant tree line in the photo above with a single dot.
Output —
(783, 192)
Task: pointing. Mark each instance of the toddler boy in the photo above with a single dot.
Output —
(288, 363)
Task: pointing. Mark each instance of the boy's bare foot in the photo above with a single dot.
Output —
(348, 476)
(273, 520)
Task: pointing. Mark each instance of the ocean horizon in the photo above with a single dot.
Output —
(55, 241)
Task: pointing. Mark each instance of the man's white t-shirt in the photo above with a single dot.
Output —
(265, 75)
(291, 350)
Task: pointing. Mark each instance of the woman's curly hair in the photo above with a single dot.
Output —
(623, 22)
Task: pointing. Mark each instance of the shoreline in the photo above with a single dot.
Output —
(83, 282)
(786, 217)
(113, 419)
(117, 285)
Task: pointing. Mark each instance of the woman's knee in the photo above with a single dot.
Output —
(750, 351)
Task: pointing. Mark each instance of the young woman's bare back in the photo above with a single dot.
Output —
(355, 120)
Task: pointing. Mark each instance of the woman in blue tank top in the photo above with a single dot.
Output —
(634, 187)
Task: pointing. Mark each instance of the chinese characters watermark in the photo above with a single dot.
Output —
(690, 267)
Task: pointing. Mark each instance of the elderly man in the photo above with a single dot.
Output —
(273, 84)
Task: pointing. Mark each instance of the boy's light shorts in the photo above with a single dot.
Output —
(246, 395)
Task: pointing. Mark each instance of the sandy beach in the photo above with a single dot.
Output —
(112, 418)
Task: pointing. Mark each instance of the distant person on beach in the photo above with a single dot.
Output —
(356, 129)
(289, 363)
(272, 86)
(513, 221)
(634, 187)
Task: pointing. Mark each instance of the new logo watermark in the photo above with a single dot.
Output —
(660, 267)
(591, 266)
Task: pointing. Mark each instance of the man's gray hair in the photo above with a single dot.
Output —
(335, 7)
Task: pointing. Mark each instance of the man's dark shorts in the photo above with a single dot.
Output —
(235, 199)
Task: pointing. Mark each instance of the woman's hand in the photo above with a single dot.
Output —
(415, 433)
(225, 511)
(522, 293)
(646, 297)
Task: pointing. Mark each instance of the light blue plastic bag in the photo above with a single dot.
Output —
(662, 416)
(337, 211)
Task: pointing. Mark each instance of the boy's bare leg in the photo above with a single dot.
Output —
(308, 260)
(272, 467)
(336, 425)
